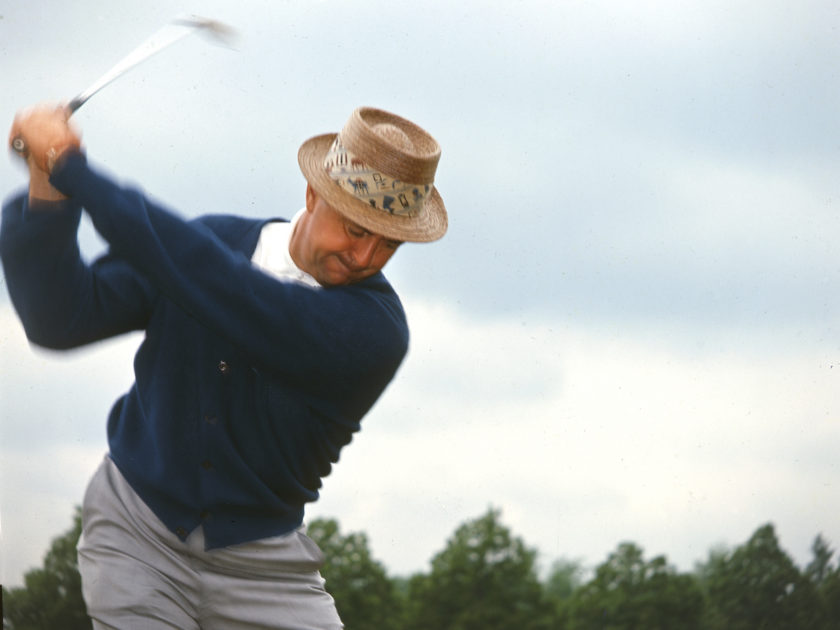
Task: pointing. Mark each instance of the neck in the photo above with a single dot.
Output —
(296, 244)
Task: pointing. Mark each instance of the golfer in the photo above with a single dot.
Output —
(266, 342)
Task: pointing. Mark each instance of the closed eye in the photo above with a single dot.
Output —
(355, 231)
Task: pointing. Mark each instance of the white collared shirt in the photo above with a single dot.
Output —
(272, 252)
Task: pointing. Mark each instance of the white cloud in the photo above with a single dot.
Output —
(53, 409)
(690, 140)
(39, 491)
(632, 441)
(584, 438)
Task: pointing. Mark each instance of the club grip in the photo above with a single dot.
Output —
(19, 146)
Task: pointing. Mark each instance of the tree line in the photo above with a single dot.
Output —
(486, 578)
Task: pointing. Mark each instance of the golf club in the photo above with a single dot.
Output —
(172, 32)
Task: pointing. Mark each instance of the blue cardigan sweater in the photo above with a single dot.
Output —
(247, 387)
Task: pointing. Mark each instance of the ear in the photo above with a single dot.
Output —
(311, 197)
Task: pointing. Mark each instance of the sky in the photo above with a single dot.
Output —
(629, 332)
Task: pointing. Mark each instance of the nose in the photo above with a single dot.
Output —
(364, 250)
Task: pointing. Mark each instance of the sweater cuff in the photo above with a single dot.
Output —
(66, 170)
(42, 208)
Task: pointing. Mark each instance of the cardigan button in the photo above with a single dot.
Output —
(207, 464)
(182, 533)
(224, 368)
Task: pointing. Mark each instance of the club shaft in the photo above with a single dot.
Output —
(163, 38)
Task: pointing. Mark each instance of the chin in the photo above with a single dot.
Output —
(336, 275)
(333, 279)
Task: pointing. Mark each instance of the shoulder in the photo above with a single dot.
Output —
(230, 223)
(235, 230)
(377, 289)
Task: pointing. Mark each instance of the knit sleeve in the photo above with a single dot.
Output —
(62, 301)
(342, 343)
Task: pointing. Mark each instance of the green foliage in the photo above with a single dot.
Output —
(758, 586)
(829, 591)
(365, 597)
(52, 596)
(826, 581)
(484, 579)
(629, 593)
(564, 578)
(819, 569)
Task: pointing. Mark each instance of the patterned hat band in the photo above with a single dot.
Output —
(371, 186)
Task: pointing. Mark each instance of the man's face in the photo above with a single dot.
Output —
(333, 249)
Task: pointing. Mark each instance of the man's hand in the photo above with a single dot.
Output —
(46, 133)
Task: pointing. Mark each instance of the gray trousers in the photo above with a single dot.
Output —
(137, 575)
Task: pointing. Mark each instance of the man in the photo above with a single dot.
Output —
(265, 344)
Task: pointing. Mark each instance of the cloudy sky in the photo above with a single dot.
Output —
(630, 331)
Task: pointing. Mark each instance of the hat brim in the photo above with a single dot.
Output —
(427, 225)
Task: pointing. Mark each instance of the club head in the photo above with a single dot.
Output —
(218, 32)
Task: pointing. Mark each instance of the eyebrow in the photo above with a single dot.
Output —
(390, 241)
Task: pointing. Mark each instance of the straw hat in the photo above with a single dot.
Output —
(379, 172)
